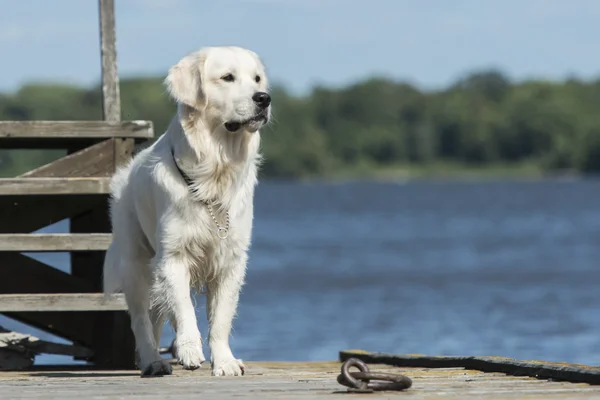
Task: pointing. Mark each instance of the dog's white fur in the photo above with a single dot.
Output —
(164, 239)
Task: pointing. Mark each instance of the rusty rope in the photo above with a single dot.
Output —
(360, 382)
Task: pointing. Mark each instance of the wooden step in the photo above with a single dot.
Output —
(32, 242)
(61, 302)
(63, 134)
(53, 186)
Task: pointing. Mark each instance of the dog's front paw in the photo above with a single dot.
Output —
(229, 366)
(157, 368)
(189, 354)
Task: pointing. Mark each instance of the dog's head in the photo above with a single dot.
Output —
(227, 85)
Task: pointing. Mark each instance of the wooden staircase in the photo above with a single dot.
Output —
(74, 187)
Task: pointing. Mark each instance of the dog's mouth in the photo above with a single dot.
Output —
(253, 122)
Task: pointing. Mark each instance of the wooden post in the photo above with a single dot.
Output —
(111, 102)
(113, 341)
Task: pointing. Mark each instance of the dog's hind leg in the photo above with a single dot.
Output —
(137, 293)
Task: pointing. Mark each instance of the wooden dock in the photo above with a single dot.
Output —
(281, 380)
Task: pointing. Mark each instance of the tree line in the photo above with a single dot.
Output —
(481, 120)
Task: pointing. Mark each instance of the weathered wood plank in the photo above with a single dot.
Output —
(61, 302)
(111, 102)
(23, 214)
(278, 380)
(54, 186)
(33, 242)
(56, 130)
(94, 161)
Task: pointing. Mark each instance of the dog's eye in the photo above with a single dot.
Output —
(257, 78)
(228, 78)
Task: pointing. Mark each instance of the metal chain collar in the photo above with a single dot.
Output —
(222, 231)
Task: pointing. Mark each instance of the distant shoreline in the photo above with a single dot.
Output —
(439, 171)
(447, 171)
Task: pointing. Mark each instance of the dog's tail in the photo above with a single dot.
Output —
(111, 271)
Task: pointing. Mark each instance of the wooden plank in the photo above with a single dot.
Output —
(53, 186)
(33, 242)
(37, 302)
(22, 214)
(277, 380)
(94, 161)
(111, 102)
(57, 130)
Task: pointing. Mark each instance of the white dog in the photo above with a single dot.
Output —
(182, 210)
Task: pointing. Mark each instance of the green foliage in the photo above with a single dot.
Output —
(483, 120)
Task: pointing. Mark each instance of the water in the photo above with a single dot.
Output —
(441, 268)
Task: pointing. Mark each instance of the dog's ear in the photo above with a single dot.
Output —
(184, 80)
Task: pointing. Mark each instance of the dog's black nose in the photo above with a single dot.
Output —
(262, 99)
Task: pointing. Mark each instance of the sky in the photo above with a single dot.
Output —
(429, 43)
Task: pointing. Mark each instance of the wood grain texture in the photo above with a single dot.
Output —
(61, 302)
(75, 130)
(33, 242)
(94, 161)
(111, 102)
(53, 186)
(280, 380)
